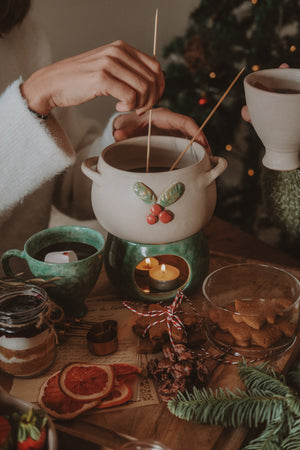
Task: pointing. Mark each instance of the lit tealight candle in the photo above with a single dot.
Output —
(147, 264)
(164, 277)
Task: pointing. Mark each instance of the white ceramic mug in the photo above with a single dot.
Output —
(273, 101)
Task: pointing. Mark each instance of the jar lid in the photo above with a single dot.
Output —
(22, 304)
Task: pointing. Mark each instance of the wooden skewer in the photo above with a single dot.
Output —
(207, 119)
(150, 112)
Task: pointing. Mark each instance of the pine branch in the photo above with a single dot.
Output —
(263, 377)
(226, 408)
(269, 439)
(292, 441)
(268, 400)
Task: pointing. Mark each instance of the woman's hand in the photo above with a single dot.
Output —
(116, 69)
(163, 122)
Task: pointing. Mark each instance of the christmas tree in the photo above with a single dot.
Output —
(222, 37)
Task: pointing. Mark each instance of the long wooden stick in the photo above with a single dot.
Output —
(150, 112)
(207, 119)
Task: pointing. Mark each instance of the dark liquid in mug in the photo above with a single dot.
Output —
(151, 169)
(278, 90)
(82, 250)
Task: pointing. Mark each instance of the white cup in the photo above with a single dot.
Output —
(273, 101)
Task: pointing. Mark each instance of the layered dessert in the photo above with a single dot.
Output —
(27, 341)
(27, 356)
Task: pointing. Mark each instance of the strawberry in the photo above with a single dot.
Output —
(32, 430)
(5, 430)
(31, 444)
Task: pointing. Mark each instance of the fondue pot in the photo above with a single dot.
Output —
(153, 212)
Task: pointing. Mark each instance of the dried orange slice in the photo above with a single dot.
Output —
(117, 396)
(59, 405)
(86, 382)
(124, 371)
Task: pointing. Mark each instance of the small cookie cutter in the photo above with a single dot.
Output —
(102, 338)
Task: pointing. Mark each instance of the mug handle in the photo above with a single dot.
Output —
(219, 164)
(86, 167)
(6, 257)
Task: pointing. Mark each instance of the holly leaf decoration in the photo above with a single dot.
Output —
(144, 193)
(171, 195)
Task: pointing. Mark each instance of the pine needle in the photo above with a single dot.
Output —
(226, 408)
(292, 442)
(263, 376)
(294, 377)
(267, 400)
(268, 439)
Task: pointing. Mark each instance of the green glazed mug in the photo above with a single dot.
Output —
(75, 279)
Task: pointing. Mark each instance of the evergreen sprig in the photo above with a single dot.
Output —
(267, 400)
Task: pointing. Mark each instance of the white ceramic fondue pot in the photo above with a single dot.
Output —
(160, 205)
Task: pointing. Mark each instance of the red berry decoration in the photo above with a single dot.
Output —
(165, 216)
(152, 219)
(156, 209)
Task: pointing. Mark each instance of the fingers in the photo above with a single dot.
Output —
(127, 133)
(155, 69)
(245, 114)
(128, 125)
(132, 77)
(164, 122)
(284, 66)
(140, 81)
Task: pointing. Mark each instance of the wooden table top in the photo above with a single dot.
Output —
(227, 244)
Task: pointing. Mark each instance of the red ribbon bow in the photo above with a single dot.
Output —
(169, 312)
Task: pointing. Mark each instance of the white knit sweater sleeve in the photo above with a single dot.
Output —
(72, 195)
(29, 155)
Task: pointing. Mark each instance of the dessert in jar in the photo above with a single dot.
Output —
(27, 338)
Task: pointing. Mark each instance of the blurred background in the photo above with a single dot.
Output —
(75, 26)
(202, 44)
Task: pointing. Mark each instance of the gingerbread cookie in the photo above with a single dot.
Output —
(256, 322)
(267, 336)
(157, 334)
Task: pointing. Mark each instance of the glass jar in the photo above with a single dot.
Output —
(27, 337)
(144, 445)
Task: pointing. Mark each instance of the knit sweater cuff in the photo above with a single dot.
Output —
(29, 154)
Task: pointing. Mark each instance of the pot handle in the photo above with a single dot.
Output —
(219, 165)
(86, 167)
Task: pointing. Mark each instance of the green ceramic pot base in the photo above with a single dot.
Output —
(121, 258)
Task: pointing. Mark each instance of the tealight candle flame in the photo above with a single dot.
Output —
(164, 277)
(145, 265)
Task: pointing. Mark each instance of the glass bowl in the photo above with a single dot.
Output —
(251, 310)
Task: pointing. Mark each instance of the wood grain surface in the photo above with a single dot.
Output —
(227, 245)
